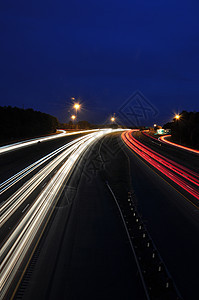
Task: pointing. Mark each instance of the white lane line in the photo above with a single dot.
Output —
(130, 242)
(25, 208)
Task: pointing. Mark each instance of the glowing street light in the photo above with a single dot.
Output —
(155, 125)
(73, 117)
(76, 106)
(113, 119)
(177, 117)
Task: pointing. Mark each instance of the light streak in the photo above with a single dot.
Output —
(30, 142)
(177, 173)
(16, 246)
(151, 137)
(17, 177)
(13, 202)
(164, 139)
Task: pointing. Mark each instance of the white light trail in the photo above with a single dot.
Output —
(30, 142)
(17, 177)
(12, 203)
(14, 249)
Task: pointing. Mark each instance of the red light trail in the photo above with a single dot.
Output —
(182, 176)
(151, 137)
(164, 139)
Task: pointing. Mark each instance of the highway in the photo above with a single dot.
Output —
(15, 157)
(88, 242)
(182, 155)
(166, 140)
(183, 177)
(88, 248)
(169, 209)
(26, 209)
(27, 143)
(76, 212)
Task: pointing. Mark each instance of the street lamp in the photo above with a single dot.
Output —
(177, 117)
(73, 117)
(112, 119)
(76, 107)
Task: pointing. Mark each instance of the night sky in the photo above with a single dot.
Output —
(100, 52)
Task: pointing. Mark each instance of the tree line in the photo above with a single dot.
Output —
(17, 123)
(86, 125)
(185, 130)
(78, 125)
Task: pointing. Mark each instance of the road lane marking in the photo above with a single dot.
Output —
(25, 207)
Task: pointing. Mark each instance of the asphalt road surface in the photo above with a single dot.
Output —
(183, 157)
(171, 218)
(84, 251)
(31, 197)
(13, 161)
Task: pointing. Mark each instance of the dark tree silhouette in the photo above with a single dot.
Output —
(16, 123)
(84, 125)
(185, 130)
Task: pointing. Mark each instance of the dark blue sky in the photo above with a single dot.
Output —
(102, 52)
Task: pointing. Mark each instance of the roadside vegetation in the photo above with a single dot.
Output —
(185, 130)
(17, 123)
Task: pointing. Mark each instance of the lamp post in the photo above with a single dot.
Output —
(73, 117)
(177, 117)
(113, 120)
(76, 106)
